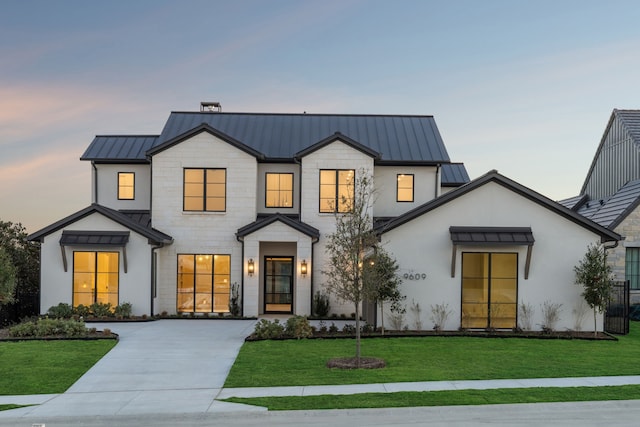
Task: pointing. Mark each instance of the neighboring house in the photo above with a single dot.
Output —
(219, 199)
(610, 194)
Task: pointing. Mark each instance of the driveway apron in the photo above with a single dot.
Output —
(164, 366)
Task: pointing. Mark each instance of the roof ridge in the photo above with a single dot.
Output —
(302, 114)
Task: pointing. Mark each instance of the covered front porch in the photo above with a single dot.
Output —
(277, 265)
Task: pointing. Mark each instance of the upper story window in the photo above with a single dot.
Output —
(126, 185)
(405, 188)
(279, 190)
(205, 190)
(336, 190)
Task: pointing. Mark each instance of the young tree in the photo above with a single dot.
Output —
(382, 282)
(348, 247)
(594, 274)
(7, 278)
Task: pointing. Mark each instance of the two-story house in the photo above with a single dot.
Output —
(243, 199)
(610, 194)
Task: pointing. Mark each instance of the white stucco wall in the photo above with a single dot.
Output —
(385, 177)
(200, 232)
(424, 246)
(134, 286)
(336, 155)
(107, 179)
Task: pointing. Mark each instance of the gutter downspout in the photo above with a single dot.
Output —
(154, 275)
(241, 240)
(438, 181)
(95, 182)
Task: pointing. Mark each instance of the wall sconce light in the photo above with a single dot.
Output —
(303, 267)
(251, 268)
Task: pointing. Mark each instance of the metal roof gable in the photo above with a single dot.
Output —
(494, 176)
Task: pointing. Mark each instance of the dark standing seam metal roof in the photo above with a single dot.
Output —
(281, 136)
(98, 238)
(133, 223)
(491, 235)
(116, 148)
(612, 211)
(293, 223)
(454, 174)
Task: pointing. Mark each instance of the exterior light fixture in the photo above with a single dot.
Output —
(251, 268)
(303, 267)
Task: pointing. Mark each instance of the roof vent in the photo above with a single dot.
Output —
(210, 107)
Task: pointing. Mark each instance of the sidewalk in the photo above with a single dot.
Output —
(380, 388)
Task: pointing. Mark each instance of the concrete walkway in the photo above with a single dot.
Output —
(179, 367)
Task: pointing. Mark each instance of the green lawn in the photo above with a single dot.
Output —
(443, 398)
(302, 362)
(42, 367)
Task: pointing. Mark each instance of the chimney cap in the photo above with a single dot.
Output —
(212, 106)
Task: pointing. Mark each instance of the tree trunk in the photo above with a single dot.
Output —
(357, 336)
(595, 323)
(382, 315)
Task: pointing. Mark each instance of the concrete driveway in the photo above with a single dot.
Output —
(166, 366)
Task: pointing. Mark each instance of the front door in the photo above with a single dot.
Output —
(489, 290)
(278, 285)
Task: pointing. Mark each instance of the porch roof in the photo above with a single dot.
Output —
(263, 222)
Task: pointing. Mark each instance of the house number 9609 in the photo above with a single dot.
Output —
(415, 276)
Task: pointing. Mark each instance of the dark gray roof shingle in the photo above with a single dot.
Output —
(612, 211)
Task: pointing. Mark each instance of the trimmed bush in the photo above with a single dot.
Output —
(49, 327)
(266, 330)
(123, 311)
(298, 327)
(99, 309)
(61, 311)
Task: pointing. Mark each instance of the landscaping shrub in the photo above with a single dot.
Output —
(99, 309)
(49, 327)
(61, 311)
(320, 305)
(234, 300)
(82, 311)
(298, 327)
(123, 311)
(265, 329)
(439, 315)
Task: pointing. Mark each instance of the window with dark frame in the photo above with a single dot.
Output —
(632, 267)
(95, 278)
(205, 190)
(126, 185)
(404, 190)
(203, 283)
(278, 190)
(336, 190)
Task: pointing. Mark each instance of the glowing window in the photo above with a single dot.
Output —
(203, 283)
(405, 188)
(126, 185)
(205, 190)
(95, 278)
(279, 190)
(336, 190)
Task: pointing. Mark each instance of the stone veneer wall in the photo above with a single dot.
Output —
(630, 230)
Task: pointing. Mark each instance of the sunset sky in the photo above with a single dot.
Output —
(525, 87)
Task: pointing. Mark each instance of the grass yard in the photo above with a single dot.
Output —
(43, 367)
(443, 398)
(302, 362)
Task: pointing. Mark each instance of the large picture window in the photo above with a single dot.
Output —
(126, 185)
(489, 290)
(203, 283)
(404, 191)
(336, 190)
(632, 267)
(205, 190)
(279, 190)
(95, 278)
